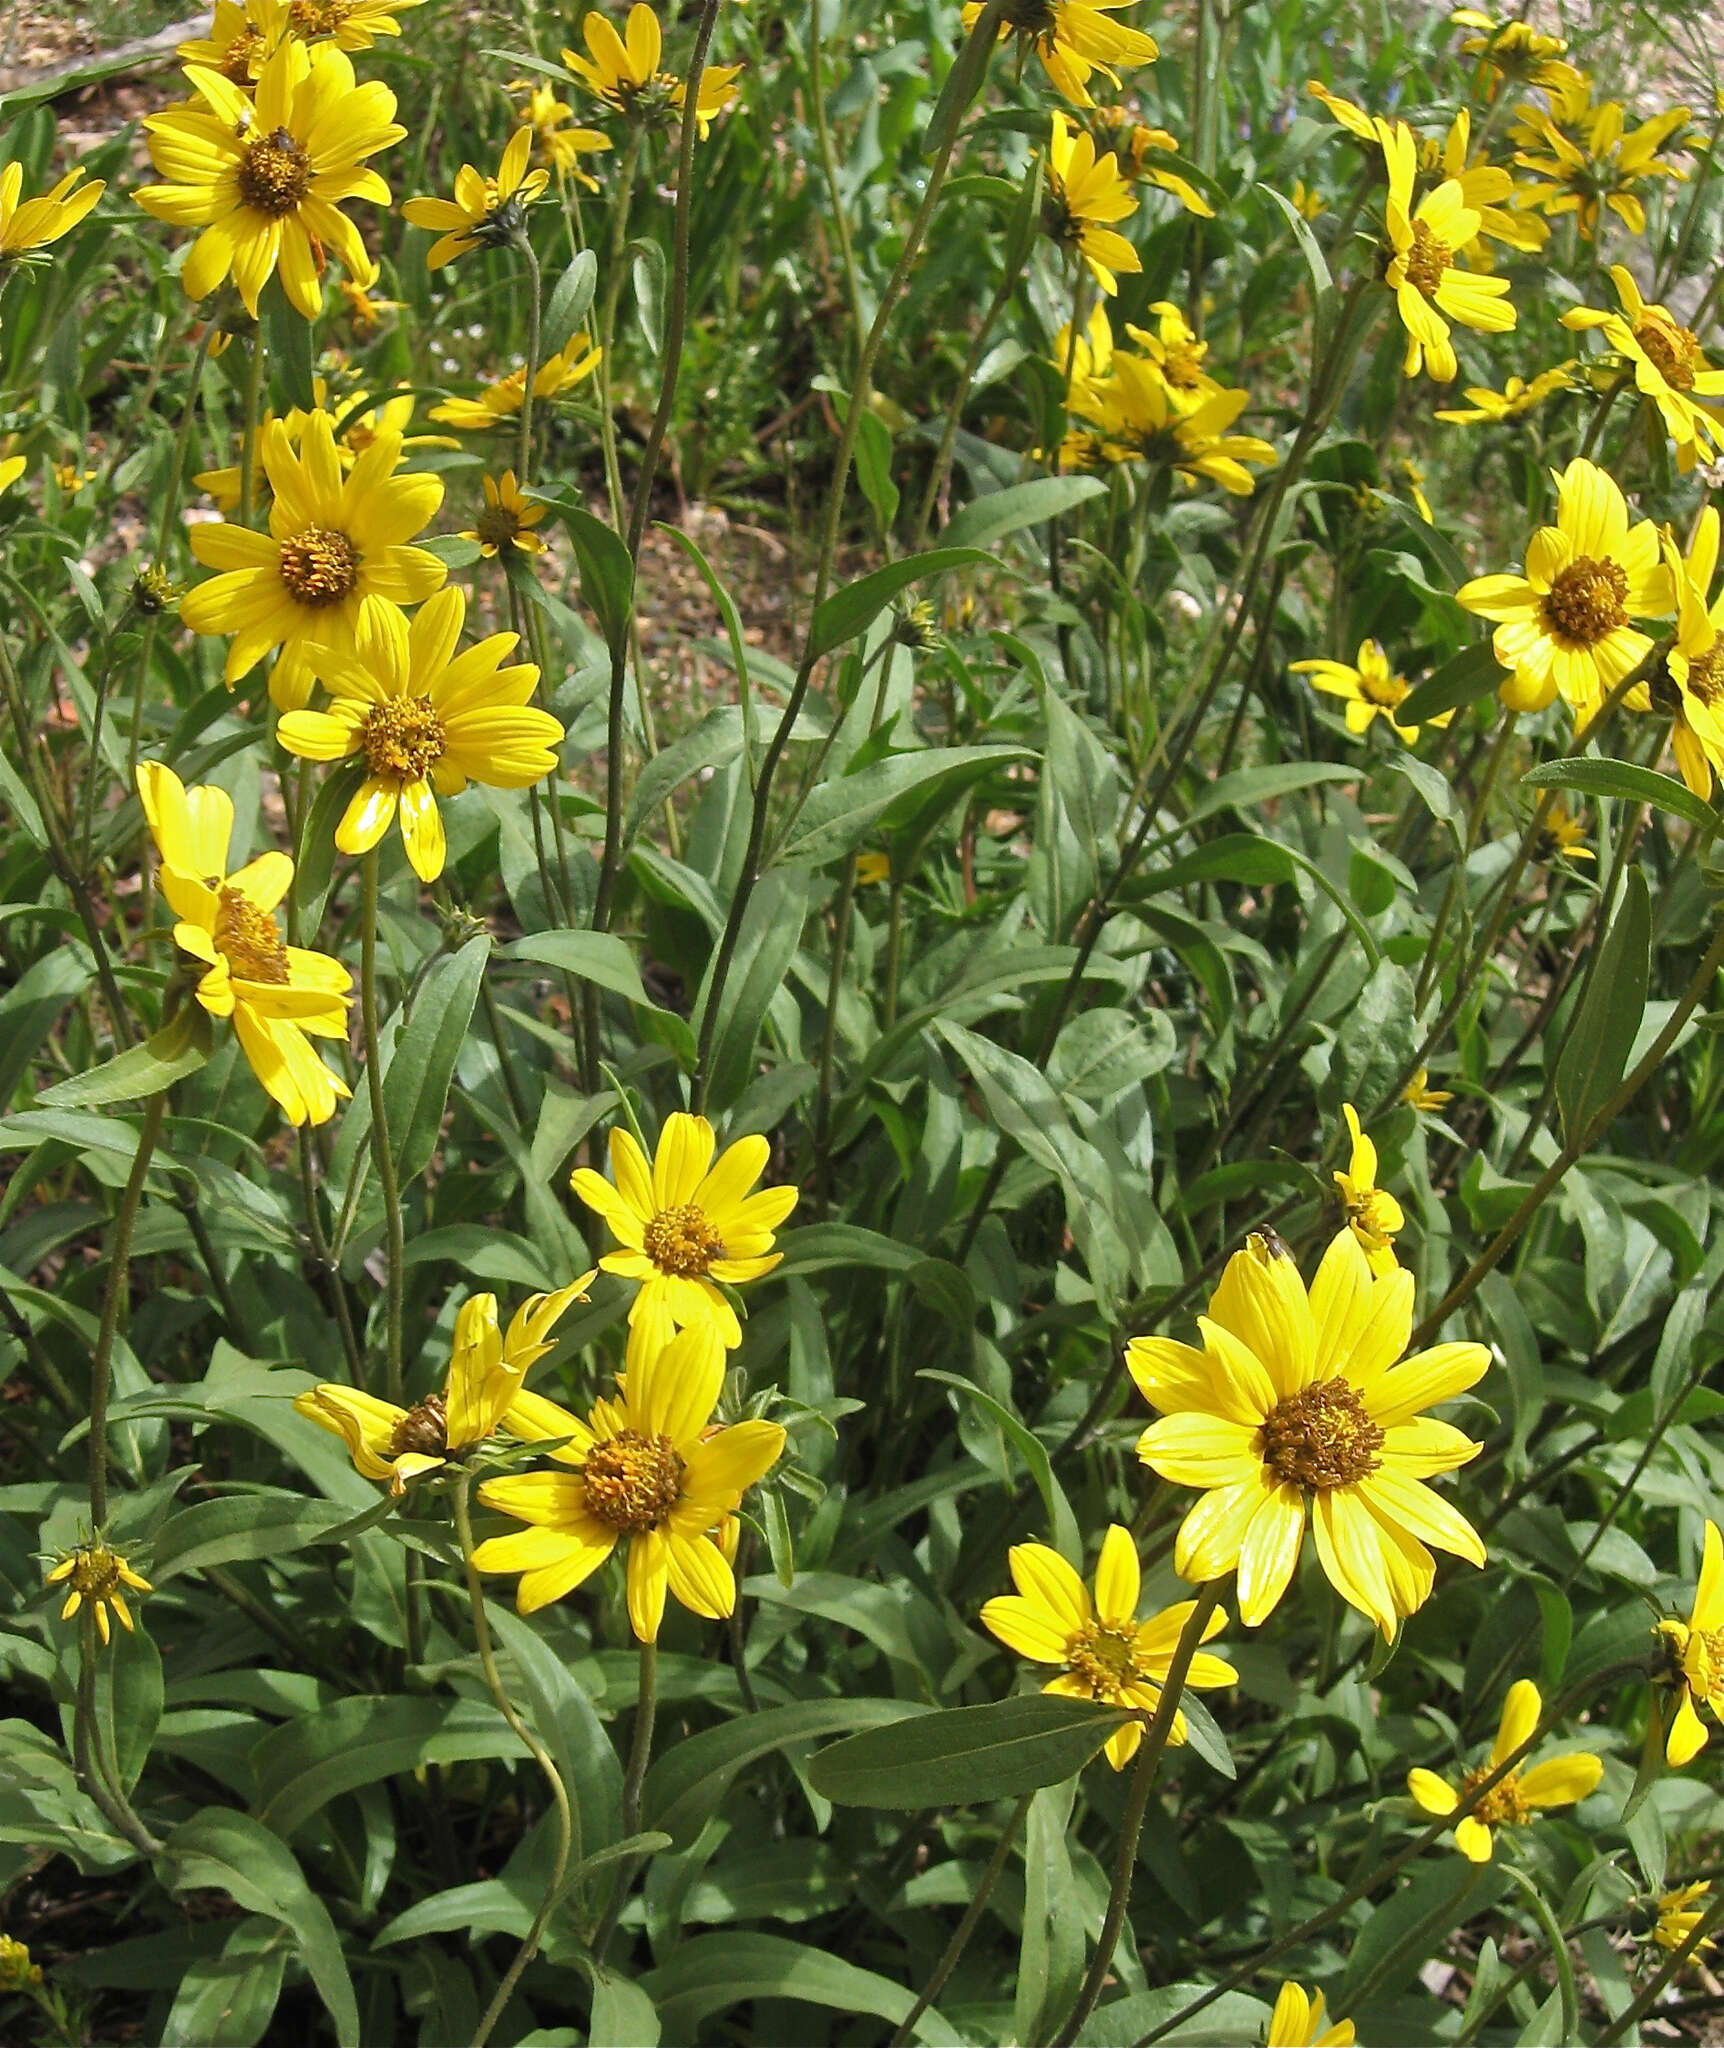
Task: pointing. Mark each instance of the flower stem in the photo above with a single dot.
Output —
(829, 166)
(1631, 2015)
(966, 1927)
(640, 1755)
(535, 299)
(248, 438)
(113, 1298)
(87, 1758)
(381, 1152)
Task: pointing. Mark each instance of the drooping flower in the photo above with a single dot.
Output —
(1373, 1215)
(1138, 147)
(365, 311)
(1073, 38)
(486, 213)
(1562, 836)
(508, 519)
(1669, 366)
(648, 1468)
(487, 1369)
(275, 993)
(427, 719)
(29, 225)
(1679, 1913)
(1515, 398)
(624, 74)
(1423, 245)
(686, 1224)
(1689, 684)
(1084, 193)
(1299, 2021)
(1514, 50)
(1348, 114)
(96, 1576)
(1371, 687)
(1178, 353)
(1140, 419)
(1513, 1801)
(563, 141)
(500, 401)
(1296, 1404)
(1104, 1651)
(1580, 156)
(1695, 1649)
(1420, 1095)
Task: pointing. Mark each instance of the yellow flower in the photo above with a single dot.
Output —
(646, 1467)
(873, 867)
(27, 225)
(1073, 38)
(1137, 161)
(1421, 270)
(486, 213)
(1308, 202)
(1669, 365)
(1178, 354)
(274, 993)
(1299, 2021)
(354, 24)
(686, 1225)
(1695, 1648)
(242, 35)
(335, 557)
(1363, 127)
(1679, 1913)
(1420, 1095)
(498, 402)
(264, 178)
(508, 519)
(1563, 625)
(1140, 419)
(1513, 49)
(363, 310)
(17, 1972)
(1084, 193)
(1559, 1781)
(1561, 837)
(428, 721)
(625, 74)
(1484, 186)
(1690, 684)
(1105, 1652)
(1373, 1215)
(358, 430)
(97, 1576)
(1372, 689)
(1579, 157)
(552, 121)
(1516, 397)
(1296, 1402)
(11, 469)
(1091, 358)
(482, 1393)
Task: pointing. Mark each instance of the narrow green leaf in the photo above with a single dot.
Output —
(1595, 1056)
(314, 868)
(176, 1050)
(853, 609)
(1322, 284)
(416, 1087)
(598, 957)
(647, 260)
(1627, 780)
(569, 303)
(966, 1756)
(1017, 506)
(1062, 1522)
(1462, 679)
(287, 335)
(840, 813)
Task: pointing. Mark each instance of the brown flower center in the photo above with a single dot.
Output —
(1368, 1214)
(1321, 1437)
(1706, 675)
(403, 737)
(1426, 260)
(1503, 1805)
(1674, 350)
(682, 1241)
(318, 17)
(424, 1429)
(498, 526)
(96, 1572)
(275, 174)
(1032, 18)
(633, 1481)
(1103, 1657)
(1383, 691)
(247, 939)
(240, 59)
(1059, 223)
(320, 566)
(1587, 600)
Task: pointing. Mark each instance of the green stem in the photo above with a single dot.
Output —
(248, 439)
(1559, 1955)
(334, 1285)
(381, 1152)
(829, 1031)
(829, 165)
(87, 1758)
(1632, 2015)
(966, 1927)
(113, 1300)
(1457, 869)
(640, 1755)
(535, 303)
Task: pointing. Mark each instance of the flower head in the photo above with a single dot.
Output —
(1137, 148)
(1178, 353)
(357, 427)
(1669, 365)
(1679, 1913)
(1104, 1651)
(508, 519)
(1084, 193)
(1420, 1095)
(1373, 1214)
(1581, 155)
(17, 1971)
(353, 24)
(1296, 1404)
(1513, 49)
(1515, 398)
(1563, 836)
(1695, 1649)
(1421, 272)
(1690, 683)
(96, 1577)
(1140, 417)
(1073, 38)
(500, 401)
(29, 225)
(1371, 688)
(1514, 1799)
(486, 213)
(624, 74)
(1299, 2021)
(553, 123)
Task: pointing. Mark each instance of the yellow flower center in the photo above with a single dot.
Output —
(402, 737)
(275, 174)
(424, 1429)
(319, 566)
(1587, 601)
(633, 1481)
(1104, 1658)
(318, 17)
(1321, 1437)
(1674, 350)
(96, 1571)
(241, 56)
(498, 526)
(1383, 691)
(1503, 1805)
(247, 939)
(1367, 1212)
(1426, 260)
(1706, 675)
(682, 1241)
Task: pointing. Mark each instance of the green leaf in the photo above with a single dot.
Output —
(314, 871)
(1061, 1521)
(1626, 780)
(607, 572)
(765, 946)
(227, 2000)
(853, 609)
(713, 1972)
(287, 336)
(1247, 789)
(599, 957)
(568, 305)
(416, 1087)
(967, 1755)
(169, 1055)
(247, 1525)
(623, 2016)
(874, 468)
(1019, 505)
(1322, 284)
(1595, 1057)
(648, 267)
(1246, 858)
(840, 813)
(1231, 2021)
(1462, 679)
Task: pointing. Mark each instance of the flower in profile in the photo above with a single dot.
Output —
(1580, 156)
(508, 519)
(1515, 398)
(427, 720)
(1370, 686)
(275, 993)
(648, 1467)
(487, 1369)
(1423, 245)
(1679, 1913)
(96, 1577)
(29, 225)
(17, 1971)
(1689, 683)
(1420, 1095)
(336, 556)
(1563, 624)
(264, 178)
(1363, 127)
(624, 74)
(1084, 193)
(353, 24)
(1562, 836)
(1299, 2021)
(1178, 353)
(1373, 1215)
(1137, 147)
(553, 122)
(1514, 50)
(500, 401)
(1140, 419)
(1514, 1799)
(1695, 1650)
(1073, 38)
(1669, 366)
(1296, 1404)
(1484, 186)
(685, 1224)
(486, 213)
(1104, 1651)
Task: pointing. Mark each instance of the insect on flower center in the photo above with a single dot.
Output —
(1503, 1805)
(275, 174)
(247, 939)
(1587, 600)
(1674, 350)
(320, 566)
(1427, 260)
(682, 1241)
(633, 1481)
(1103, 1657)
(1322, 1437)
(424, 1429)
(402, 737)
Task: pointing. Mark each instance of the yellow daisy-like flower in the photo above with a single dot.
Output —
(1669, 365)
(96, 1576)
(1105, 1652)
(354, 24)
(487, 1369)
(1580, 156)
(486, 213)
(1371, 689)
(27, 225)
(365, 311)
(1296, 1403)
(1084, 193)
(358, 430)
(1373, 1215)
(428, 720)
(1308, 202)
(264, 178)
(1513, 49)
(336, 557)
(1421, 269)
(1299, 2021)
(1178, 354)
(1515, 398)
(624, 74)
(1137, 147)
(1563, 625)
(508, 519)
(242, 34)
(1420, 1095)
(1690, 682)
(17, 1972)
(502, 400)
(648, 1467)
(1073, 38)
(1484, 186)
(1558, 1781)
(1679, 1913)
(1562, 837)
(685, 1224)
(275, 993)
(1695, 1648)
(553, 123)
(1140, 419)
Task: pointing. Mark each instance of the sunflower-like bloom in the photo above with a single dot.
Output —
(1178, 354)
(1420, 1095)
(1299, 2021)
(553, 124)
(353, 24)
(648, 1466)
(1296, 1402)
(508, 519)
(264, 177)
(1141, 420)
(1515, 398)
(1104, 1651)
(486, 213)
(242, 34)
(427, 720)
(27, 225)
(624, 74)
(1370, 687)
(1137, 147)
(1563, 625)
(1373, 1215)
(487, 1368)
(275, 993)
(1084, 193)
(685, 1224)
(1580, 156)
(1690, 682)
(1695, 1649)
(357, 431)
(1679, 1913)
(1484, 186)
(1073, 38)
(95, 1576)
(1421, 270)
(1558, 1781)
(336, 555)
(1562, 837)
(500, 401)
(1513, 49)
(1669, 366)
